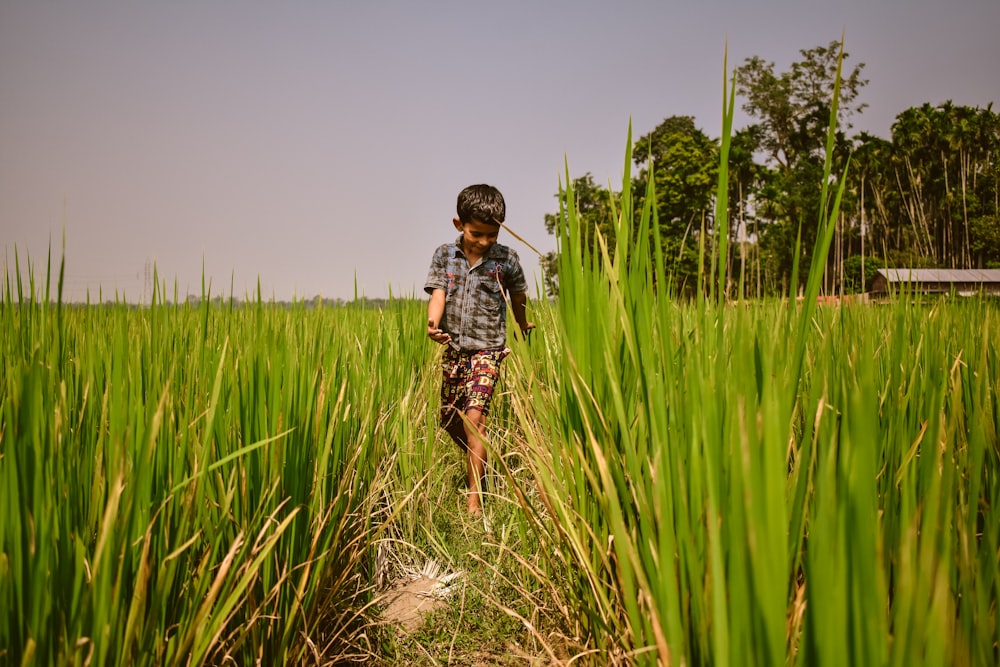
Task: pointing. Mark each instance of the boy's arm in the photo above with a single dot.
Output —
(435, 310)
(518, 303)
(517, 287)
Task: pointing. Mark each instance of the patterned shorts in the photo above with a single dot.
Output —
(468, 379)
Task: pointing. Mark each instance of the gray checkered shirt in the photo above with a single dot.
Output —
(475, 311)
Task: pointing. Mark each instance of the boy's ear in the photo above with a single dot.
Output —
(458, 224)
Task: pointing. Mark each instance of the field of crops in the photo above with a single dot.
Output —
(184, 484)
(714, 482)
(767, 482)
(757, 483)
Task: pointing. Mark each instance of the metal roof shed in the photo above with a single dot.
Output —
(938, 281)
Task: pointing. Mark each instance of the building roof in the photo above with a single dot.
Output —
(941, 275)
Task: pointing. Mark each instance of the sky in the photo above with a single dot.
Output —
(317, 148)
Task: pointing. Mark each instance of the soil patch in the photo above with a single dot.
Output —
(410, 600)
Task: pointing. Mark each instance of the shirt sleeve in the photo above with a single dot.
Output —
(516, 282)
(437, 275)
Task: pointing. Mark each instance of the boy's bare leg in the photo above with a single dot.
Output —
(475, 431)
(469, 437)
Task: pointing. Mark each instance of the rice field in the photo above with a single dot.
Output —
(196, 485)
(692, 483)
(765, 483)
(714, 482)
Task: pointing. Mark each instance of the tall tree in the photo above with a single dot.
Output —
(595, 212)
(792, 110)
(984, 211)
(683, 161)
(746, 178)
(945, 162)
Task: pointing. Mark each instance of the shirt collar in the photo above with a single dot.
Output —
(490, 254)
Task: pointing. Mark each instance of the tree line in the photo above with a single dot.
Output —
(926, 197)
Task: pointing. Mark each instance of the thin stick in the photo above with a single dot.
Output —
(515, 235)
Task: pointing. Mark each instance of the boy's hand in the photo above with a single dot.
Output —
(526, 329)
(436, 334)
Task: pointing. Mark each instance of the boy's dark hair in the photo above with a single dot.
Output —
(483, 203)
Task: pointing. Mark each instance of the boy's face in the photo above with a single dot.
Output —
(477, 237)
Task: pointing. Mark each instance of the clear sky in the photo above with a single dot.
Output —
(314, 144)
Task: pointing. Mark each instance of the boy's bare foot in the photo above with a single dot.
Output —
(475, 505)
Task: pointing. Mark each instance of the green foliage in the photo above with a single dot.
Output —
(192, 485)
(926, 197)
(793, 107)
(937, 178)
(984, 240)
(595, 205)
(683, 161)
(792, 111)
(859, 272)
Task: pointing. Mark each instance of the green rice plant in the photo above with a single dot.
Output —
(190, 484)
(759, 483)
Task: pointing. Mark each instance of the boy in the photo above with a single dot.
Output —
(467, 312)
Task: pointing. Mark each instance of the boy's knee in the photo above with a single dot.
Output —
(477, 420)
